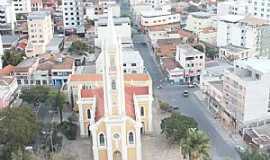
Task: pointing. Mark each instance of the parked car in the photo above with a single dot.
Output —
(185, 93)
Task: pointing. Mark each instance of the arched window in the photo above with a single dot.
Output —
(88, 114)
(101, 139)
(142, 111)
(130, 138)
(113, 84)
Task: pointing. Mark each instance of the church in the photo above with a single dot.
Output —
(115, 109)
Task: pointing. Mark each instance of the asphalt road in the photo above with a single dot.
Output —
(221, 148)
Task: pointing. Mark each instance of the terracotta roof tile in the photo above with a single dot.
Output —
(129, 102)
(7, 70)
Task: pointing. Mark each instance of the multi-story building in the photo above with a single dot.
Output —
(73, 16)
(247, 32)
(122, 26)
(246, 92)
(1, 52)
(7, 17)
(36, 5)
(132, 61)
(197, 21)
(118, 111)
(234, 7)
(233, 53)
(99, 9)
(8, 87)
(40, 32)
(192, 60)
(258, 8)
(22, 6)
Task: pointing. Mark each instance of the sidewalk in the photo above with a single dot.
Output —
(156, 146)
(227, 134)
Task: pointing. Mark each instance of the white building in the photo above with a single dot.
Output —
(22, 6)
(40, 32)
(73, 16)
(1, 52)
(247, 32)
(94, 11)
(152, 3)
(122, 27)
(234, 7)
(132, 61)
(259, 8)
(246, 92)
(197, 21)
(7, 14)
(192, 60)
(233, 53)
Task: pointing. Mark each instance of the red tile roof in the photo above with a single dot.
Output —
(129, 102)
(7, 70)
(170, 63)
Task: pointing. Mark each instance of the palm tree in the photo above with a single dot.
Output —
(196, 145)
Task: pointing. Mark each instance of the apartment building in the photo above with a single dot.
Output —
(258, 8)
(73, 16)
(192, 60)
(131, 58)
(99, 9)
(36, 5)
(197, 21)
(122, 27)
(1, 52)
(234, 7)
(233, 53)
(22, 6)
(247, 32)
(40, 32)
(7, 17)
(246, 92)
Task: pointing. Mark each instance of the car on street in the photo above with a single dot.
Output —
(185, 93)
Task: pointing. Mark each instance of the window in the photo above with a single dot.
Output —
(88, 114)
(101, 139)
(113, 84)
(133, 64)
(130, 138)
(19, 82)
(142, 111)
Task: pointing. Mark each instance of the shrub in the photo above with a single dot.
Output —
(69, 129)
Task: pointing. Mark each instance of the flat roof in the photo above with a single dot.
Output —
(261, 65)
(38, 15)
(233, 48)
(117, 21)
(55, 41)
(201, 14)
(189, 51)
(217, 84)
(8, 39)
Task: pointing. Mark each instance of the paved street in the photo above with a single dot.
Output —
(222, 146)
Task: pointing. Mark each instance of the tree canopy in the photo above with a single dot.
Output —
(56, 100)
(12, 57)
(254, 155)
(176, 127)
(196, 145)
(80, 48)
(18, 126)
(35, 95)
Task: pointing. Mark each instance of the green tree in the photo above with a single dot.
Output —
(176, 127)
(12, 57)
(196, 145)
(56, 99)
(254, 155)
(35, 95)
(18, 127)
(78, 47)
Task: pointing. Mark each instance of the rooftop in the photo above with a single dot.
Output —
(5, 81)
(117, 21)
(37, 15)
(217, 84)
(201, 14)
(187, 50)
(254, 21)
(170, 63)
(234, 49)
(260, 65)
(9, 39)
(7, 70)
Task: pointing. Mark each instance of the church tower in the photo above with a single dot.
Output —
(115, 109)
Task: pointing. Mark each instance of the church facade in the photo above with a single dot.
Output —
(115, 109)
